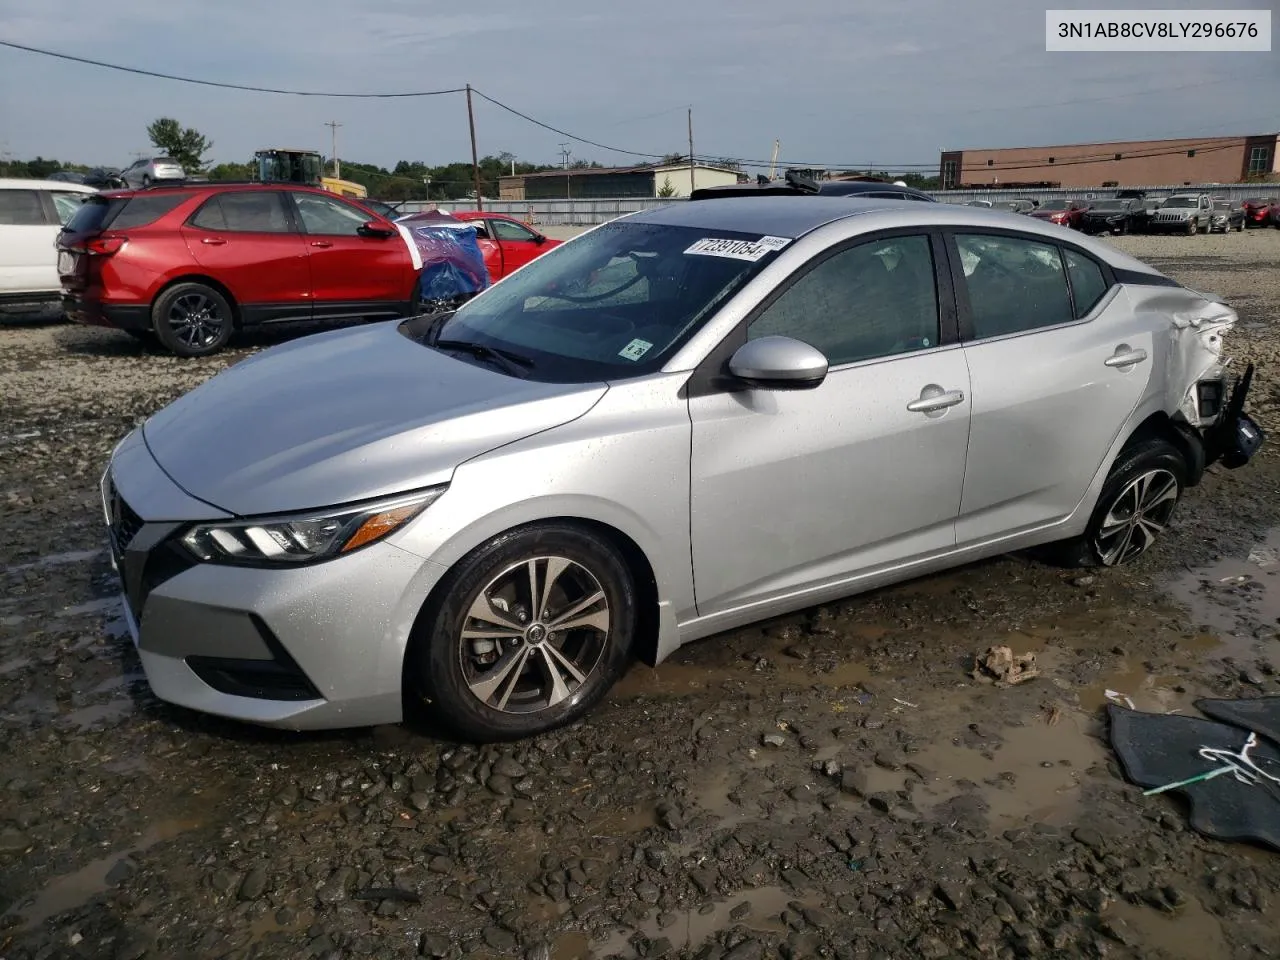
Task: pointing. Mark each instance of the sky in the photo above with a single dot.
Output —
(878, 87)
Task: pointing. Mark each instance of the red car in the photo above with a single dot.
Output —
(507, 243)
(191, 263)
(1065, 213)
(1261, 212)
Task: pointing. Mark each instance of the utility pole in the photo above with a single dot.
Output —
(333, 126)
(475, 158)
(773, 164)
(564, 165)
(692, 185)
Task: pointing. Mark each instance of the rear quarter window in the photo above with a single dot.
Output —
(140, 210)
(1087, 282)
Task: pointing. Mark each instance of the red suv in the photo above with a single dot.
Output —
(191, 263)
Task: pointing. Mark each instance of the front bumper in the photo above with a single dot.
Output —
(1234, 437)
(1168, 226)
(310, 647)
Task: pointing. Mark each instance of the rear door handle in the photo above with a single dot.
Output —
(321, 243)
(934, 398)
(1124, 357)
(213, 241)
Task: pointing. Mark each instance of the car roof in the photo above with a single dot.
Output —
(187, 186)
(794, 216)
(23, 183)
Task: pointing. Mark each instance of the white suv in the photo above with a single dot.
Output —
(31, 214)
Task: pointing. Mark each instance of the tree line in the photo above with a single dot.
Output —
(407, 180)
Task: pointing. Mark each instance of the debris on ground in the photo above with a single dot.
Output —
(999, 666)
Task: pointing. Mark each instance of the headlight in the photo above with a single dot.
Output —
(305, 538)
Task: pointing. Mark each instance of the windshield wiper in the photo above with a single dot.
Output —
(513, 363)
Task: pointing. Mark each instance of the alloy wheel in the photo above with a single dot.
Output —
(1137, 516)
(196, 320)
(533, 635)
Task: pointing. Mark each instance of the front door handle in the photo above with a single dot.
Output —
(933, 398)
(1125, 357)
(321, 243)
(213, 241)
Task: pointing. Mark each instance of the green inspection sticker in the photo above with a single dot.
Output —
(635, 349)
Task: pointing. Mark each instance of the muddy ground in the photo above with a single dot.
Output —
(828, 784)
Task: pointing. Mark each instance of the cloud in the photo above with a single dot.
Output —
(833, 83)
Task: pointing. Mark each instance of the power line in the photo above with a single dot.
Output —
(564, 133)
(225, 86)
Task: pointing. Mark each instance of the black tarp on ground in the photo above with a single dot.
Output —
(1157, 749)
(1261, 715)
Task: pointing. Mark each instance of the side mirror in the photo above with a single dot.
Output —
(778, 363)
(376, 228)
(539, 239)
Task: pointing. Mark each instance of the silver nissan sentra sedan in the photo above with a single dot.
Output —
(677, 423)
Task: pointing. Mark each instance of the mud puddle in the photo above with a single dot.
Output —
(78, 888)
(757, 910)
(1023, 775)
(1191, 934)
(1238, 598)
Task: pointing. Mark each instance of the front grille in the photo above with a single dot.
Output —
(145, 566)
(125, 522)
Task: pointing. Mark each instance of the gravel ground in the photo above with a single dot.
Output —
(831, 783)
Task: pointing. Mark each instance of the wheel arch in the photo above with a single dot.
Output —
(208, 281)
(1185, 439)
(638, 566)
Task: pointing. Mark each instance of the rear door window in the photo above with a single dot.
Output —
(21, 208)
(248, 212)
(1014, 284)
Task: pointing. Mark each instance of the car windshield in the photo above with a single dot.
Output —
(1055, 205)
(1222, 204)
(1182, 202)
(1110, 205)
(1259, 202)
(613, 303)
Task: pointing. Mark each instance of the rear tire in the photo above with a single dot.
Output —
(493, 666)
(192, 320)
(1136, 503)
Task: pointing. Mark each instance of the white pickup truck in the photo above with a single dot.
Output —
(31, 214)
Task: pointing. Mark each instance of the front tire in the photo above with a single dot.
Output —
(1193, 227)
(531, 631)
(1135, 506)
(192, 320)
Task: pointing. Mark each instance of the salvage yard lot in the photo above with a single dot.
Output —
(832, 780)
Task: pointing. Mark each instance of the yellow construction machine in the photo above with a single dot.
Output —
(282, 165)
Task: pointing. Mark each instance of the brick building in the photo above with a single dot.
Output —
(1130, 163)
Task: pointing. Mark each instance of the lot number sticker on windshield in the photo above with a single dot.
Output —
(751, 250)
(635, 349)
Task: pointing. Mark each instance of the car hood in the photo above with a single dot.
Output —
(346, 416)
